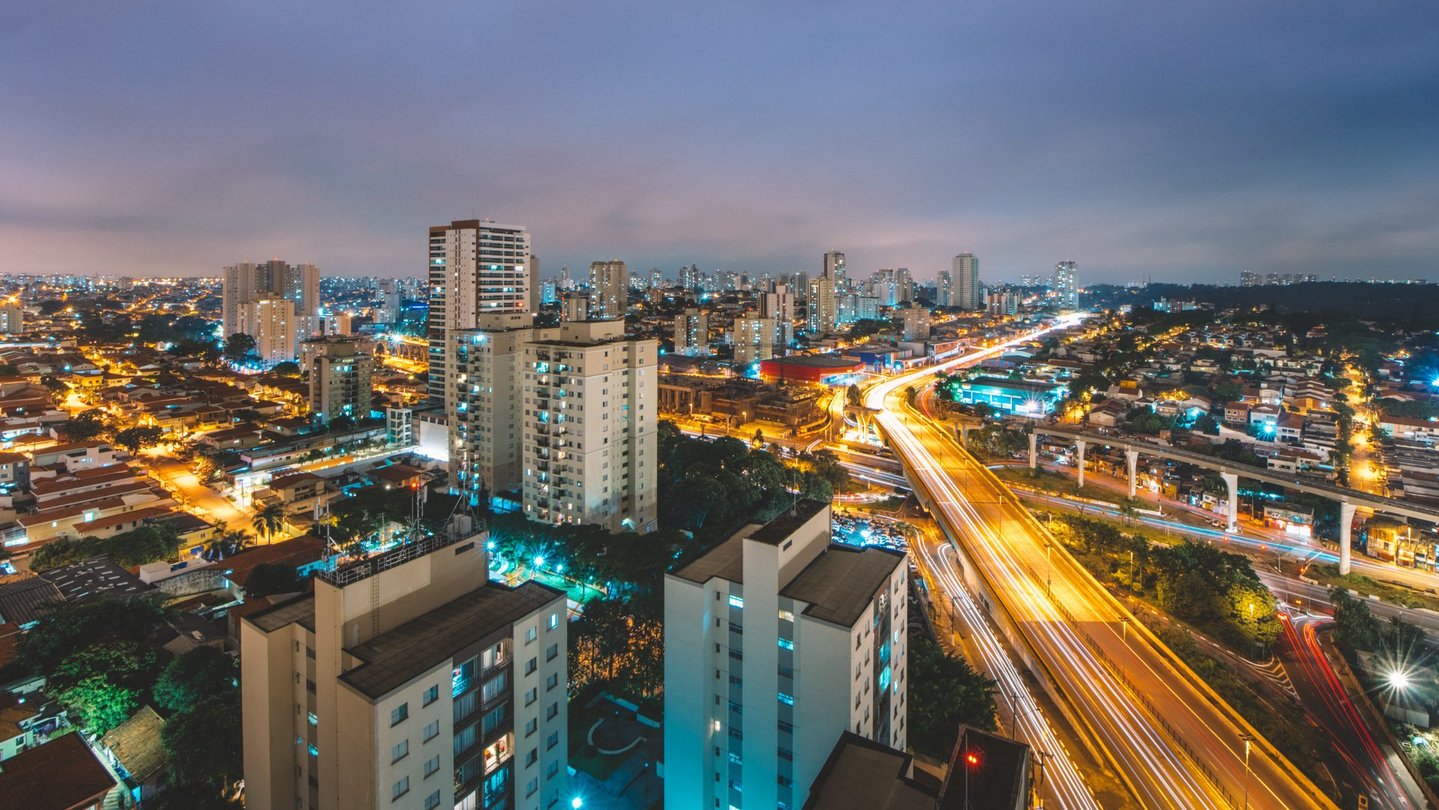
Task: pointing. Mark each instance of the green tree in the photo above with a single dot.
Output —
(85, 426)
(73, 626)
(200, 675)
(239, 347)
(134, 439)
(944, 692)
(98, 705)
(287, 368)
(202, 746)
(853, 396)
(269, 521)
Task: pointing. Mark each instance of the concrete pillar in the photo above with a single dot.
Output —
(1033, 450)
(1131, 460)
(1346, 524)
(1231, 480)
(964, 434)
(1079, 444)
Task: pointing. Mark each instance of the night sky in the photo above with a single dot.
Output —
(1178, 141)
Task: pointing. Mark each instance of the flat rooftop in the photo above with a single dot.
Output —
(841, 582)
(394, 658)
(862, 773)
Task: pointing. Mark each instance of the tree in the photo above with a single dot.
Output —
(269, 521)
(944, 692)
(98, 705)
(197, 677)
(271, 578)
(85, 426)
(72, 626)
(287, 368)
(239, 347)
(853, 396)
(134, 439)
(202, 746)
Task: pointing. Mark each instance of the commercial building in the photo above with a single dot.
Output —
(475, 267)
(407, 679)
(1024, 397)
(271, 321)
(483, 404)
(776, 643)
(965, 292)
(754, 339)
(609, 290)
(340, 370)
(588, 430)
(1065, 288)
(692, 333)
(813, 368)
(299, 284)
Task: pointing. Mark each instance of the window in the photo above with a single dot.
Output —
(553, 711)
(553, 651)
(552, 681)
(431, 695)
(787, 700)
(532, 726)
(554, 620)
(399, 714)
(401, 788)
(786, 615)
(432, 801)
(553, 740)
(786, 644)
(432, 730)
(531, 696)
(314, 720)
(736, 601)
(432, 765)
(532, 786)
(531, 634)
(534, 754)
(400, 751)
(531, 665)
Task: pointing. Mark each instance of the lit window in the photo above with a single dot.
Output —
(787, 700)
(736, 601)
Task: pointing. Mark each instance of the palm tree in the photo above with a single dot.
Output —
(269, 521)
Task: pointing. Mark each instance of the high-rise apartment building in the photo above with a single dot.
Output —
(476, 267)
(834, 270)
(389, 309)
(944, 289)
(482, 404)
(245, 282)
(271, 322)
(754, 340)
(588, 432)
(692, 333)
(823, 306)
(778, 305)
(965, 282)
(408, 680)
(340, 370)
(1248, 278)
(12, 316)
(776, 642)
(916, 323)
(609, 290)
(1065, 288)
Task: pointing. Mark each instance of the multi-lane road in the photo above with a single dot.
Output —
(1169, 738)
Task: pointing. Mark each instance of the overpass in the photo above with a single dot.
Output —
(1231, 472)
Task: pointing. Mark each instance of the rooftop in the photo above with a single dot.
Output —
(59, 775)
(98, 576)
(788, 522)
(394, 658)
(841, 582)
(23, 598)
(136, 744)
(863, 773)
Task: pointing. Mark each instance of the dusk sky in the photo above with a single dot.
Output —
(1182, 142)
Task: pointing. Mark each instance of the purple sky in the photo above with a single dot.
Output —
(1178, 141)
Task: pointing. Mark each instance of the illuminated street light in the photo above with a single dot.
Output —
(577, 803)
(539, 561)
(1398, 679)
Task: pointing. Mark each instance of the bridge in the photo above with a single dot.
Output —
(1348, 499)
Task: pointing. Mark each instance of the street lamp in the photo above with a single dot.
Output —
(1247, 738)
(1398, 679)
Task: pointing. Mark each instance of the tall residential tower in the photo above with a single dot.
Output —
(965, 280)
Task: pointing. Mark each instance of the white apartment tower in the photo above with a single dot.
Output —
(407, 680)
(1065, 288)
(245, 282)
(753, 340)
(340, 373)
(271, 321)
(692, 333)
(944, 289)
(12, 316)
(777, 642)
(834, 270)
(476, 267)
(588, 431)
(965, 289)
(778, 306)
(823, 306)
(609, 290)
(482, 403)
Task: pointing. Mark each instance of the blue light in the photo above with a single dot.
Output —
(736, 601)
(539, 561)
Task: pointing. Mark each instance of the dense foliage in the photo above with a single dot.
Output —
(135, 547)
(948, 692)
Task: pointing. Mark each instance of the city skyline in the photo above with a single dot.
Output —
(1134, 145)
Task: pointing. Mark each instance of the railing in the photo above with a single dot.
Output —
(363, 569)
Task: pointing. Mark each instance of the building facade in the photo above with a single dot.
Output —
(271, 321)
(776, 643)
(245, 282)
(754, 339)
(340, 372)
(402, 683)
(692, 333)
(482, 404)
(965, 292)
(475, 267)
(588, 432)
(1065, 288)
(609, 290)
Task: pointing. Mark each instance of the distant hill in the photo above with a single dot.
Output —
(1415, 306)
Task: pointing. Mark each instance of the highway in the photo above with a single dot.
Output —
(1174, 743)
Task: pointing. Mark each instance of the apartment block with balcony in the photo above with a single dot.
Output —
(340, 372)
(776, 643)
(588, 426)
(482, 403)
(401, 683)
